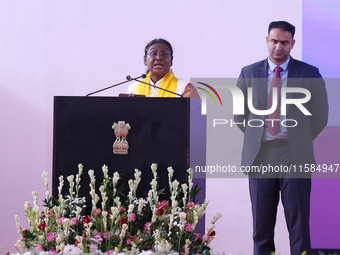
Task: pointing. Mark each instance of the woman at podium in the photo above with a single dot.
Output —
(158, 56)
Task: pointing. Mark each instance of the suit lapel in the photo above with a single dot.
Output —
(261, 84)
(293, 75)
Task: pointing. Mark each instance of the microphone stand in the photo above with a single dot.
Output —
(128, 79)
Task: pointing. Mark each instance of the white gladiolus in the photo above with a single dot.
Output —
(154, 167)
(35, 198)
(217, 216)
(79, 210)
(130, 209)
(66, 226)
(123, 232)
(114, 213)
(17, 221)
(105, 171)
(27, 206)
(78, 177)
(183, 216)
(60, 187)
(58, 239)
(117, 202)
(115, 178)
(141, 204)
(104, 214)
(45, 176)
(41, 238)
(70, 179)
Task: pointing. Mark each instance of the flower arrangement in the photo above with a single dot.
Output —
(118, 226)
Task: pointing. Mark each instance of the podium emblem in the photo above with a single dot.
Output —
(120, 145)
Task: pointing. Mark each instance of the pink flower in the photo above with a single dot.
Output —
(109, 253)
(188, 227)
(52, 252)
(106, 235)
(98, 237)
(74, 221)
(161, 206)
(190, 205)
(93, 247)
(60, 220)
(50, 237)
(98, 212)
(39, 248)
(129, 241)
(147, 226)
(51, 212)
(132, 217)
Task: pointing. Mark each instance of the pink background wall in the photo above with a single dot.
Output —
(50, 48)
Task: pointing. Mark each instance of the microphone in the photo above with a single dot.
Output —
(135, 79)
(128, 79)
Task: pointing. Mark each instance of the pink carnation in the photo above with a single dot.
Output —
(52, 252)
(106, 235)
(190, 205)
(52, 215)
(128, 241)
(98, 211)
(109, 253)
(188, 227)
(74, 221)
(50, 237)
(93, 247)
(132, 217)
(60, 220)
(147, 226)
(39, 248)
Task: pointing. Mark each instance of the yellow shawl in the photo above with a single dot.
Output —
(168, 82)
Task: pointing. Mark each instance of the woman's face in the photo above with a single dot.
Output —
(158, 60)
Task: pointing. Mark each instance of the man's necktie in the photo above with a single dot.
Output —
(274, 126)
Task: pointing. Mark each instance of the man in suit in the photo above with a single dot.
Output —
(277, 143)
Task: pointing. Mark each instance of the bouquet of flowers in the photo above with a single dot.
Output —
(117, 226)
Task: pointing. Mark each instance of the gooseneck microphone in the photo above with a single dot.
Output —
(128, 79)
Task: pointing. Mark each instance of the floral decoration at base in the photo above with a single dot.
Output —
(117, 226)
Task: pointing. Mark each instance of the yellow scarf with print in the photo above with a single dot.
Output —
(169, 82)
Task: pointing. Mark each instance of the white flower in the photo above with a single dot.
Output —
(115, 178)
(183, 216)
(72, 250)
(141, 204)
(17, 221)
(45, 176)
(154, 167)
(105, 171)
(170, 172)
(217, 216)
(27, 206)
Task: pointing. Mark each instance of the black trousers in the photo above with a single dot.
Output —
(265, 190)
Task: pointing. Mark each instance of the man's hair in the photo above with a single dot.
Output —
(284, 25)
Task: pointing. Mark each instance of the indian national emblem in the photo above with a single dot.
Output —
(121, 146)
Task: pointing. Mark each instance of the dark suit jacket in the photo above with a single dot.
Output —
(300, 137)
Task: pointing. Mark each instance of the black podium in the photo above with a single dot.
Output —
(166, 131)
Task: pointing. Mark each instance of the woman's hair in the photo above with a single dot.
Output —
(160, 40)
